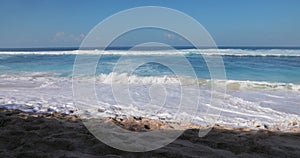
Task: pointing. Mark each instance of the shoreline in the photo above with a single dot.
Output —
(60, 135)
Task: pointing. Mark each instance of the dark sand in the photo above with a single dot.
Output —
(58, 135)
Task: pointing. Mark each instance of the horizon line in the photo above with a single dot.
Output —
(128, 47)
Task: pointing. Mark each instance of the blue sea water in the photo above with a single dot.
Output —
(280, 67)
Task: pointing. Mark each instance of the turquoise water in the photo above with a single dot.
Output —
(238, 67)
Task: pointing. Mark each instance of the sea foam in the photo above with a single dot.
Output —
(223, 52)
(248, 105)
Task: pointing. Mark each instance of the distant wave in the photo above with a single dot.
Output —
(223, 52)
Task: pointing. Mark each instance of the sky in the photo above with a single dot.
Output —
(65, 23)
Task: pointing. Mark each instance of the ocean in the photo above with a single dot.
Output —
(263, 85)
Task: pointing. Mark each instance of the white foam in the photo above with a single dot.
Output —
(258, 85)
(224, 52)
(241, 107)
(133, 79)
(125, 78)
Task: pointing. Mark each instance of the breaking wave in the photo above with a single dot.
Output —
(223, 52)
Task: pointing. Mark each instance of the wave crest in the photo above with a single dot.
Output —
(223, 52)
(125, 78)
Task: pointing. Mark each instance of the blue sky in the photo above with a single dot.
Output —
(64, 23)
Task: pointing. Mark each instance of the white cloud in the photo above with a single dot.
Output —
(59, 34)
(169, 35)
(62, 36)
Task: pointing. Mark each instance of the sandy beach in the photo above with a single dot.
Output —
(60, 135)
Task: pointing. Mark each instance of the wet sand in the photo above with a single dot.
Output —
(60, 135)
